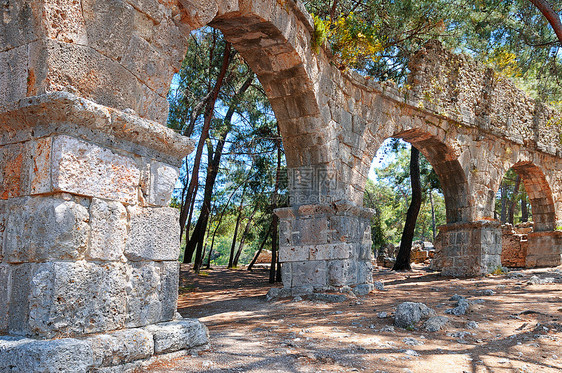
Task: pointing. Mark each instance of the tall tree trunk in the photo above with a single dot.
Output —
(274, 274)
(244, 235)
(512, 203)
(213, 166)
(503, 214)
(524, 209)
(433, 227)
(274, 249)
(183, 207)
(403, 257)
(257, 254)
(235, 236)
(553, 18)
(218, 225)
(208, 116)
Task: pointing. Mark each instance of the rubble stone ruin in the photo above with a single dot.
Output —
(88, 244)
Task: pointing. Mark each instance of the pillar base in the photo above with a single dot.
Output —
(544, 249)
(122, 350)
(468, 249)
(326, 246)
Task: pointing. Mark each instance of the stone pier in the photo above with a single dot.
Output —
(88, 245)
(468, 249)
(326, 246)
(544, 249)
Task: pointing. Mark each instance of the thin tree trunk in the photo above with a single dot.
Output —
(503, 216)
(213, 166)
(209, 114)
(273, 276)
(403, 257)
(243, 238)
(434, 230)
(257, 254)
(183, 207)
(524, 209)
(233, 246)
(278, 277)
(188, 254)
(546, 9)
(274, 249)
(512, 203)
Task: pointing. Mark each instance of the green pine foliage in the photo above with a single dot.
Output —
(511, 36)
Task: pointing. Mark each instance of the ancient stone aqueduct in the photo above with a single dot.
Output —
(88, 245)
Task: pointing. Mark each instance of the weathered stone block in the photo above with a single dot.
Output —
(3, 220)
(342, 272)
(364, 272)
(120, 347)
(294, 253)
(28, 355)
(154, 234)
(13, 75)
(331, 251)
(74, 298)
(5, 290)
(46, 228)
(177, 335)
(312, 273)
(162, 181)
(19, 288)
(152, 292)
(64, 21)
(93, 77)
(108, 229)
(86, 169)
(19, 25)
(12, 171)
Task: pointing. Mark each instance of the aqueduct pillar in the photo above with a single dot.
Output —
(88, 243)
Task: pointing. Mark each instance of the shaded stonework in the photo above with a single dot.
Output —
(87, 242)
(515, 245)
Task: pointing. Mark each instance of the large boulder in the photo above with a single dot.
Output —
(409, 313)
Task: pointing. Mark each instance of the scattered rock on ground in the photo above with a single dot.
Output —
(456, 297)
(412, 341)
(326, 297)
(409, 313)
(536, 280)
(379, 285)
(472, 325)
(435, 323)
(461, 308)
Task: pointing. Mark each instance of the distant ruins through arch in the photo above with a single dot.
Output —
(88, 244)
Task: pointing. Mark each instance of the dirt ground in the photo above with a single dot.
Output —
(518, 325)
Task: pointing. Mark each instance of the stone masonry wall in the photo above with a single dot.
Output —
(468, 248)
(326, 246)
(85, 47)
(476, 95)
(87, 242)
(514, 247)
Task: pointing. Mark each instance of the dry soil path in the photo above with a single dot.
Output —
(518, 321)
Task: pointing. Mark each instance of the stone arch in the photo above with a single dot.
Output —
(271, 53)
(540, 195)
(444, 161)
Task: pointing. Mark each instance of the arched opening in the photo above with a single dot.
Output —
(450, 191)
(524, 222)
(389, 192)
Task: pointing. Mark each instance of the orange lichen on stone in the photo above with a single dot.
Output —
(12, 172)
